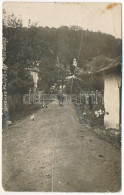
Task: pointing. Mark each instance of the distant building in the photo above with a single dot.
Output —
(75, 62)
(34, 72)
(112, 93)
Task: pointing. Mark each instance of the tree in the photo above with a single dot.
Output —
(30, 45)
(18, 78)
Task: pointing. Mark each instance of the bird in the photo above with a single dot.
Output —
(100, 112)
(96, 114)
(44, 106)
(9, 122)
(32, 117)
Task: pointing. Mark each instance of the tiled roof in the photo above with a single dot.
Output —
(111, 65)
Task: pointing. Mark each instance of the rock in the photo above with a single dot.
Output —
(9, 122)
(100, 155)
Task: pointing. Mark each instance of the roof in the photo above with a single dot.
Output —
(113, 64)
(34, 69)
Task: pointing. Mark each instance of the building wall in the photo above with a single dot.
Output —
(111, 102)
(35, 78)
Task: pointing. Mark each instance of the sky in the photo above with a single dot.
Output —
(103, 17)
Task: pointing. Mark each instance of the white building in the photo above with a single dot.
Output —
(34, 72)
(112, 93)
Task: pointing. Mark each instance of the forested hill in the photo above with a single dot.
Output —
(46, 46)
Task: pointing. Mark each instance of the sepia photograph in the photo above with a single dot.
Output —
(61, 96)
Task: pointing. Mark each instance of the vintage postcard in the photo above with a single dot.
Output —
(61, 96)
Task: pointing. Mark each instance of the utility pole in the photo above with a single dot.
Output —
(58, 63)
(74, 64)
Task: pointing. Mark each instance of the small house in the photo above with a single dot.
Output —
(112, 93)
(34, 72)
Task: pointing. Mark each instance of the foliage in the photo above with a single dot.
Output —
(28, 45)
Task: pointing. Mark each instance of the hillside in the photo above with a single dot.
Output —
(53, 50)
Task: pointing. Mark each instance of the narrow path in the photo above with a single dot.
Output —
(57, 153)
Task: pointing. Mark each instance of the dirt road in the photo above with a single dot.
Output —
(57, 153)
